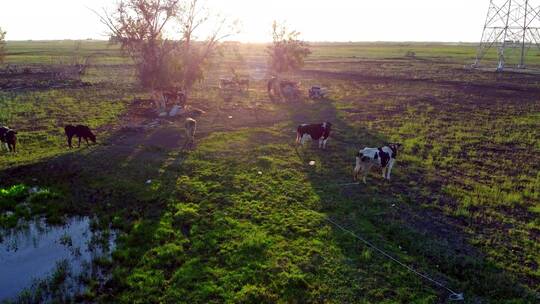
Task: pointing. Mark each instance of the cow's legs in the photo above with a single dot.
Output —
(390, 165)
(190, 141)
(79, 141)
(69, 141)
(6, 146)
(324, 143)
(321, 141)
(366, 170)
(356, 171)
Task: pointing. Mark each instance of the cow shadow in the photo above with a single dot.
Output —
(119, 182)
(388, 214)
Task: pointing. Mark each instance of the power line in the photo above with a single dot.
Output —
(454, 296)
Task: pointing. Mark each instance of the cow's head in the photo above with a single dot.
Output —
(394, 147)
(92, 137)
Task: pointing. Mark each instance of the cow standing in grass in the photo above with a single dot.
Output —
(80, 131)
(383, 157)
(191, 127)
(9, 138)
(320, 132)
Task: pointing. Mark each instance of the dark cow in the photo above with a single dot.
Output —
(319, 132)
(383, 157)
(176, 97)
(283, 89)
(9, 138)
(243, 83)
(236, 83)
(225, 83)
(80, 131)
(316, 92)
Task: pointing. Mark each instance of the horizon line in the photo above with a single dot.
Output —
(267, 42)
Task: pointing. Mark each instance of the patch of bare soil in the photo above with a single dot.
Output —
(468, 86)
(141, 116)
(40, 78)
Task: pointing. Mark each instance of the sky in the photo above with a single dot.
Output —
(317, 20)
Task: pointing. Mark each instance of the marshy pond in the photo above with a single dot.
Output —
(40, 261)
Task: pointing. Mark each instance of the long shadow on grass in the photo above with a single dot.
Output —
(389, 215)
(119, 181)
(127, 182)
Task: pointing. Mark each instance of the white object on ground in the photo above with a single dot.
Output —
(176, 110)
(34, 190)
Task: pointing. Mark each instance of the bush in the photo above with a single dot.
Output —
(10, 197)
(2, 44)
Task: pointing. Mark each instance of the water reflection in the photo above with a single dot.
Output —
(31, 255)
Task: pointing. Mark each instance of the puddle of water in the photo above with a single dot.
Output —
(34, 253)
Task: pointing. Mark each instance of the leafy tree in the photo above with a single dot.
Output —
(287, 52)
(192, 57)
(2, 44)
(140, 27)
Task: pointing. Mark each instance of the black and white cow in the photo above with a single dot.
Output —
(383, 157)
(9, 138)
(319, 132)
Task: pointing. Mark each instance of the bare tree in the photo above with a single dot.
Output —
(140, 25)
(287, 52)
(2, 45)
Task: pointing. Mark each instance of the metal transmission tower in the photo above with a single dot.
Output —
(512, 27)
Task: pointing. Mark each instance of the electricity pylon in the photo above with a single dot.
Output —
(512, 26)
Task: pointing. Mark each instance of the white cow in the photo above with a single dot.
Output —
(191, 127)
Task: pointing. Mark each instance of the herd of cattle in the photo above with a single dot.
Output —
(367, 158)
(382, 157)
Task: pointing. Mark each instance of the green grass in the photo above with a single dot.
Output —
(253, 237)
(242, 218)
(57, 52)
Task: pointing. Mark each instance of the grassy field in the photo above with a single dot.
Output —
(244, 218)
